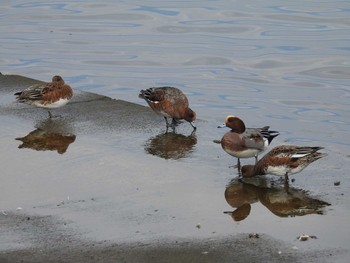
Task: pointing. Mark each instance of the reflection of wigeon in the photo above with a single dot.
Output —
(284, 160)
(242, 142)
(50, 95)
(42, 140)
(169, 102)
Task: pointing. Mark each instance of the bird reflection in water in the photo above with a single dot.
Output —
(50, 135)
(280, 200)
(171, 145)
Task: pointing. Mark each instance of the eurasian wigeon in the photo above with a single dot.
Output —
(242, 142)
(49, 95)
(171, 103)
(284, 160)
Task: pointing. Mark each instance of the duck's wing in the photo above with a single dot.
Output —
(34, 92)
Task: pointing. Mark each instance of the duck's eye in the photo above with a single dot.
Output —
(231, 120)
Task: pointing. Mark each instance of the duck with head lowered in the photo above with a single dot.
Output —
(170, 102)
(284, 160)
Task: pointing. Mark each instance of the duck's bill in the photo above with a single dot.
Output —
(193, 125)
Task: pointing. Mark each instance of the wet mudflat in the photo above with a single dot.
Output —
(104, 182)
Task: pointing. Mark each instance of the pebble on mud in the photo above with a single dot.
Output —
(305, 237)
(337, 183)
(254, 235)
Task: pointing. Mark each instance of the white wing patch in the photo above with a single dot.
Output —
(299, 155)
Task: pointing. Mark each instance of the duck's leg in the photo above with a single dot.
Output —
(166, 121)
(286, 180)
(167, 124)
(174, 123)
(286, 183)
(238, 166)
(51, 116)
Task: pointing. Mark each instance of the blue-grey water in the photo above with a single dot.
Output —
(280, 63)
(250, 59)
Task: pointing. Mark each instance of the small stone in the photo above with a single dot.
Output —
(305, 237)
(254, 235)
(337, 183)
(198, 225)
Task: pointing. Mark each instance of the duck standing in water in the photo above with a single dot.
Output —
(242, 142)
(171, 103)
(284, 160)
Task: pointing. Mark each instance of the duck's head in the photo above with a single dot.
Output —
(234, 123)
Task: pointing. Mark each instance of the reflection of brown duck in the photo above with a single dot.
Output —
(281, 201)
(50, 136)
(240, 196)
(171, 145)
(285, 202)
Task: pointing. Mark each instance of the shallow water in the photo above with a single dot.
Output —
(280, 64)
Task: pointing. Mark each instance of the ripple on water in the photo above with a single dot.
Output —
(208, 61)
(331, 72)
(55, 6)
(161, 11)
(192, 29)
(315, 112)
(279, 117)
(342, 122)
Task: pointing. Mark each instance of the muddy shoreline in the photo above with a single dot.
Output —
(44, 233)
(52, 240)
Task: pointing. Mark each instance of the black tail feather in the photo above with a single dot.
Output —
(269, 135)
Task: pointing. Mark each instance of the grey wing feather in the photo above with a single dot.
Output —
(33, 92)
